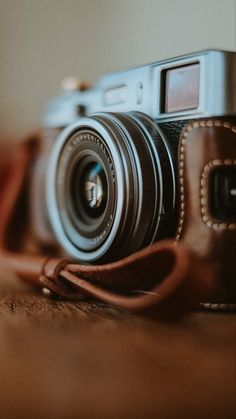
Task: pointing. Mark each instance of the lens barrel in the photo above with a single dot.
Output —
(111, 186)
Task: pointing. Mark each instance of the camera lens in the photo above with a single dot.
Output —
(111, 186)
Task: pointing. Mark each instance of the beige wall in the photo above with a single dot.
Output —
(43, 41)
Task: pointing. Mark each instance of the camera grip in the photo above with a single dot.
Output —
(207, 221)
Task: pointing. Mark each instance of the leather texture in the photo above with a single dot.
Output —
(166, 278)
(204, 147)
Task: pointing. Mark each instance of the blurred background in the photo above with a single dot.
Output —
(41, 42)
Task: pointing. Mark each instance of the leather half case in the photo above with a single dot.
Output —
(207, 222)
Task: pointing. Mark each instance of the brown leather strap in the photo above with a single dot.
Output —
(165, 276)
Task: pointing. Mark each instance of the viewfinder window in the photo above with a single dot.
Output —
(182, 88)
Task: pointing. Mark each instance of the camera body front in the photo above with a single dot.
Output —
(120, 167)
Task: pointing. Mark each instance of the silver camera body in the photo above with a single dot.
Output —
(112, 172)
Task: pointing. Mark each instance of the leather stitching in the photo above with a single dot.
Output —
(188, 129)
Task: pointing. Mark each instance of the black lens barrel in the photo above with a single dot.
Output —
(127, 205)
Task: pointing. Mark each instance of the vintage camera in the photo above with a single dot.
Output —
(107, 181)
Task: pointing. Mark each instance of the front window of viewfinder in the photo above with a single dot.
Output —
(181, 88)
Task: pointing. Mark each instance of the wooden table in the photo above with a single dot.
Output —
(87, 360)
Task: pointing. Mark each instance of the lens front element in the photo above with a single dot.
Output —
(90, 189)
(93, 187)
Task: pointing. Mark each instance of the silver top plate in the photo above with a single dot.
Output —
(140, 89)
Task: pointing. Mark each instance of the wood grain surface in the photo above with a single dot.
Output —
(87, 360)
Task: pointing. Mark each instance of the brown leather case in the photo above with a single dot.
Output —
(205, 147)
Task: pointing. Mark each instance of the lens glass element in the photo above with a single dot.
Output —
(92, 189)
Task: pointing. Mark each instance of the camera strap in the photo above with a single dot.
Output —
(165, 277)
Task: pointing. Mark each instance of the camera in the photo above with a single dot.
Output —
(111, 177)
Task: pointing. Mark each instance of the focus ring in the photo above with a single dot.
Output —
(147, 188)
